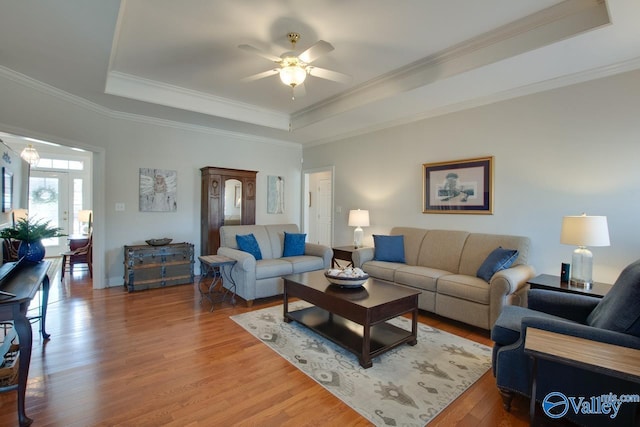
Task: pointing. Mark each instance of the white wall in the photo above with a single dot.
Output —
(123, 144)
(557, 153)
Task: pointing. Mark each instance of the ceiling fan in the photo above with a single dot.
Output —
(293, 69)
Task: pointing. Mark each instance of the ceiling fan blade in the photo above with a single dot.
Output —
(262, 75)
(316, 51)
(259, 52)
(329, 75)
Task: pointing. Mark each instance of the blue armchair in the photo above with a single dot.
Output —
(614, 319)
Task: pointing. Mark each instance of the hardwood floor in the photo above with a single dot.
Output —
(158, 357)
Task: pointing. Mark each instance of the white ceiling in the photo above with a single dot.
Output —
(409, 59)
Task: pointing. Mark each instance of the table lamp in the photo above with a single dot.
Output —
(84, 217)
(583, 231)
(18, 214)
(358, 218)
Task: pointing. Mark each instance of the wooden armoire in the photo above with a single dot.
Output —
(228, 196)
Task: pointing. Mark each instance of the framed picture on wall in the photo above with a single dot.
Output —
(459, 186)
(7, 190)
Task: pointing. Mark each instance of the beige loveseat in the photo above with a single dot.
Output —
(443, 265)
(263, 278)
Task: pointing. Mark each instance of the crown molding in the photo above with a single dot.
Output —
(129, 86)
(41, 87)
(542, 86)
(49, 90)
(548, 26)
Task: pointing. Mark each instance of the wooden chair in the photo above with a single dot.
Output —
(81, 255)
(10, 250)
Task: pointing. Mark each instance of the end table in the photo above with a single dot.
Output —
(550, 282)
(220, 268)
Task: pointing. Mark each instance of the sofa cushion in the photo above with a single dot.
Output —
(619, 310)
(441, 249)
(498, 259)
(294, 244)
(419, 277)
(381, 269)
(464, 287)
(479, 245)
(248, 243)
(388, 248)
(267, 268)
(304, 263)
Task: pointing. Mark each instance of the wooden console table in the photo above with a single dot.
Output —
(24, 284)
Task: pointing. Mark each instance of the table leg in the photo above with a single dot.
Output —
(25, 337)
(285, 304)
(414, 327)
(45, 301)
(365, 357)
(227, 271)
(532, 402)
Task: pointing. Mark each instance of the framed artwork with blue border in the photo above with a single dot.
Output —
(459, 186)
(7, 190)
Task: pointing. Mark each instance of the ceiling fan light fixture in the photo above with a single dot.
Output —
(293, 75)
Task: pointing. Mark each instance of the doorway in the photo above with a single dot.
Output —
(318, 206)
(49, 201)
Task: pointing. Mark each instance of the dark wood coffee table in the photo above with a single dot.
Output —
(354, 318)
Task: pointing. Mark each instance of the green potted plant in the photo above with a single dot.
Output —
(30, 234)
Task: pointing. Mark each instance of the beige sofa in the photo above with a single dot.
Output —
(263, 278)
(443, 265)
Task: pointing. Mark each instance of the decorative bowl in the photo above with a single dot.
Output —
(158, 242)
(346, 281)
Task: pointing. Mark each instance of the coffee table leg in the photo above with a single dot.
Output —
(285, 304)
(365, 357)
(414, 327)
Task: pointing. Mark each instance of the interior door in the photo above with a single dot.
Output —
(324, 211)
(49, 201)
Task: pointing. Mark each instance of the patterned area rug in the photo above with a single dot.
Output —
(407, 386)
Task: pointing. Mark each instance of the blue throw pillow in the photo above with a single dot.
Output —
(248, 243)
(497, 260)
(388, 248)
(294, 244)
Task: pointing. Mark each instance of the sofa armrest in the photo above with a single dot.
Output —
(512, 279)
(362, 255)
(325, 252)
(504, 283)
(245, 261)
(562, 304)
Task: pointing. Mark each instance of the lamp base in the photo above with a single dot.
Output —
(358, 233)
(583, 285)
(582, 268)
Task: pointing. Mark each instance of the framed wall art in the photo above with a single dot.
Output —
(460, 186)
(275, 194)
(7, 190)
(158, 190)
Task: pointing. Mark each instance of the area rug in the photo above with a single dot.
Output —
(407, 386)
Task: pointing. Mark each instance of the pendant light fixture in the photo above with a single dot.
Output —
(30, 155)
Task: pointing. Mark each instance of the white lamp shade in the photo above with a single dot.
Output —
(583, 230)
(358, 218)
(85, 215)
(19, 214)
